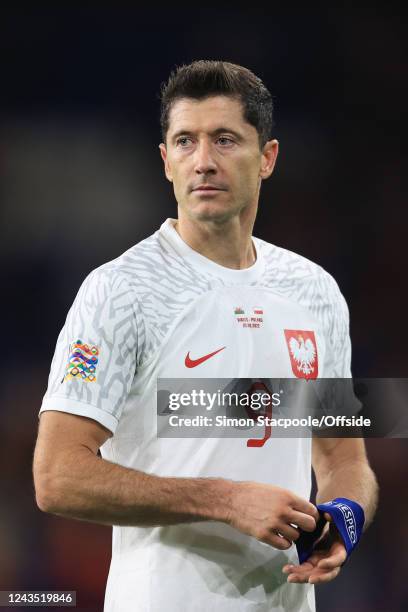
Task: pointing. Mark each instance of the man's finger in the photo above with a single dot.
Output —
(289, 532)
(298, 578)
(290, 567)
(316, 577)
(313, 576)
(302, 520)
(272, 538)
(300, 574)
(334, 560)
(302, 505)
(308, 565)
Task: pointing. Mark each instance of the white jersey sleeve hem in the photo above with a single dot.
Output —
(62, 404)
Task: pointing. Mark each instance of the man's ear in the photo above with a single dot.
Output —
(269, 155)
(163, 153)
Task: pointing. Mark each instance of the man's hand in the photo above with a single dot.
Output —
(326, 560)
(270, 514)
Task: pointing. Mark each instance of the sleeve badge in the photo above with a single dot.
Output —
(82, 362)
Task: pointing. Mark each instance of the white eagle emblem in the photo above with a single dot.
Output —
(304, 353)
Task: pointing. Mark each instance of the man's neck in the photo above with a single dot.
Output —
(228, 244)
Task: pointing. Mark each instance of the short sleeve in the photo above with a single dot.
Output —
(337, 332)
(96, 354)
(335, 391)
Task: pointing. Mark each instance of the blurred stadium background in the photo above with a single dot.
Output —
(81, 181)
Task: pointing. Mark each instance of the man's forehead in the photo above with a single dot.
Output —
(211, 110)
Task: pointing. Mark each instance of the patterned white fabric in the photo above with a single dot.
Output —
(145, 311)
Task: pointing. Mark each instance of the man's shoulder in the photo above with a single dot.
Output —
(137, 261)
(147, 250)
(150, 270)
(295, 273)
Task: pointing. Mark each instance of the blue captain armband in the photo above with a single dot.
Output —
(348, 517)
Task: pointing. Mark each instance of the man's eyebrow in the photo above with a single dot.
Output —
(220, 130)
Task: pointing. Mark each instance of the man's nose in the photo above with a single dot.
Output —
(204, 159)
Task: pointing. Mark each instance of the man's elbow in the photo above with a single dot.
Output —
(47, 494)
(47, 475)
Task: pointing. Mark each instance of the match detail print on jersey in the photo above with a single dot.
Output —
(82, 362)
(302, 349)
(252, 318)
(192, 363)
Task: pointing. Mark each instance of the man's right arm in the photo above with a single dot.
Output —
(71, 480)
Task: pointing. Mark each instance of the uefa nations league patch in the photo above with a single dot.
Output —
(82, 362)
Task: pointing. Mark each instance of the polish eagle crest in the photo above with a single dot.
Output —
(302, 352)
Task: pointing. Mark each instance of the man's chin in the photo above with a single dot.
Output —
(210, 211)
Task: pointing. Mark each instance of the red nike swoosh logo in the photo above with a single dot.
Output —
(192, 363)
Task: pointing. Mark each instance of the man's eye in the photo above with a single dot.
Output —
(184, 141)
(225, 141)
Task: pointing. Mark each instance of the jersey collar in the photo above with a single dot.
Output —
(198, 261)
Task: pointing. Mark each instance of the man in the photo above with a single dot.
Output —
(200, 524)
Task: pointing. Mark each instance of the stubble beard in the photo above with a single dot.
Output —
(209, 213)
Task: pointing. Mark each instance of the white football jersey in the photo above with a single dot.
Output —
(162, 310)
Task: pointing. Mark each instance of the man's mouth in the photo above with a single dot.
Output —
(208, 188)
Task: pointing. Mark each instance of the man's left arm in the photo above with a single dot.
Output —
(342, 470)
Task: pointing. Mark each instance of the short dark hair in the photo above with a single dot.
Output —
(205, 78)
